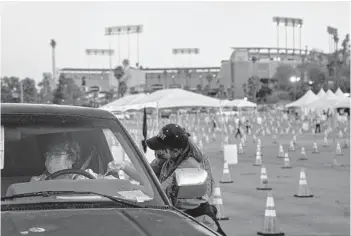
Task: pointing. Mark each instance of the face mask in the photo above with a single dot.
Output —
(174, 153)
(162, 154)
(56, 163)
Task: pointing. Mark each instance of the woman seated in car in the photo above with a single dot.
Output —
(65, 153)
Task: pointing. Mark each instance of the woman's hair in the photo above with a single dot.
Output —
(72, 147)
(205, 164)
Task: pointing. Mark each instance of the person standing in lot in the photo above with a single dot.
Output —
(174, 150)
(238, 127)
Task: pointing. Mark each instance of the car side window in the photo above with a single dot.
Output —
(116, 148)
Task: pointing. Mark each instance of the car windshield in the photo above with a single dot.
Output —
(96, 155)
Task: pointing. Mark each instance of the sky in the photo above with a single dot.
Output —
(213, 27)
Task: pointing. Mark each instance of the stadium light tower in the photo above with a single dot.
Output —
(289, 22)
(101, 52)
(333, 33)
(188, 52)
(185, 51)
(125, 30)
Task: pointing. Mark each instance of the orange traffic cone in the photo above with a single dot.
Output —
(303, 191)
(303, 154)
(241, 150)
(259, 144)
(325, 142)
(218, 202)
(258, 161)
(254, 138)
(286, 162)
(292, 147)
(315, 148)
(281, 152)
(294, 138)
(335, 162)
(244, 140)
(338, 150)
(226, 177)
(207, 138)
(340, 134)
(263, 180)
(269, 225)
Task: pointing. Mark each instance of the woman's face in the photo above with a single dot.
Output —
(56, 161)
(168, 153)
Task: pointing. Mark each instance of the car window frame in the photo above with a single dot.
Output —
(93, 122)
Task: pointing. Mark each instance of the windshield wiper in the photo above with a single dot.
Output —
(55, 193)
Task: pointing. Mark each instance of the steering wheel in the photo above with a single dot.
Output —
(69, 171)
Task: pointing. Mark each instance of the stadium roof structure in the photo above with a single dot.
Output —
(155, 69)
(280, 52)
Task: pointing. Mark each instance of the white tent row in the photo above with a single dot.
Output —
(307, 98)
(343, 103)
(238, 103)
(339, 93)
(321, 100)
(167, 98)
(321, 93)
(120, 103)
(171, 98)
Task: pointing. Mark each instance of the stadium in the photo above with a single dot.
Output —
(230, 77)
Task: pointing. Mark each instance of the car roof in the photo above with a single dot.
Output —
(50, 109)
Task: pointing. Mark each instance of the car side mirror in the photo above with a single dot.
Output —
(190, 183)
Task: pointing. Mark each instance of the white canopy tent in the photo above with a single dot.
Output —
(339, 93)
(343, 103)
(321, 93)
(171, 98)
(329, 94)
(239, 103)
(119, 104)
(324, 103)
(306, 99)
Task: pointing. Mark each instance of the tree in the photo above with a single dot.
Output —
(10, 89)
(53, 43)
(206, 90)
(245, 89)
(254, 85)
(263, 93)
(198, 88)
(67, 92)
(209, 78)
(221, 92)
(272, 98)
(346, 47)
(58, 96)
(45, 94)
(29, 90)
(283, 74)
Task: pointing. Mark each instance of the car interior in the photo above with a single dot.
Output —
(25, 147)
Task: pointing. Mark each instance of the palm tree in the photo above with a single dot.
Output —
(209, 78)
(53, 43)
(53, 46)
(254, 85)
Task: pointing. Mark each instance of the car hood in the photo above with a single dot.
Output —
(105, 222)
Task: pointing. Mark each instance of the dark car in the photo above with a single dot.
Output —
(36, 199)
